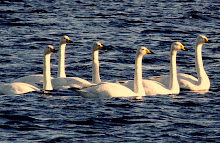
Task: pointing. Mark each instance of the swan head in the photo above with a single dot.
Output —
(177, 46)
(49, 50)
(143, 51)
(97, 46)
(201, 39)
(65, 40)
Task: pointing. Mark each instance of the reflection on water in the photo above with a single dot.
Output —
(64, 116)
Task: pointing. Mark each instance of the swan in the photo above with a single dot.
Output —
(108, 89)
(95, 62)
(187, 81)
(152, 87)
(37, 80)
(61, 65)
(21, 87)
(76, 82)
(47, 84)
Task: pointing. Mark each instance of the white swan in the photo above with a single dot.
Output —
(95, 62)
(187, 81)
(47, 85)
(76, 82)
(108, 90)
(61, 65)
(156, 88)
(37, 80)
(21, 88)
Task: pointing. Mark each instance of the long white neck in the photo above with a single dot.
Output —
(95, 67)
(202, 76)
(47, 85)
(61, 64)
(138, 85)
(173, 85)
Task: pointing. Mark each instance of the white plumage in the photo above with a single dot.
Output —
(108, 90)
(152, 87)
(187, 81)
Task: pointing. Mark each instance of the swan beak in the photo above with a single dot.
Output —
(69, 41)
(100, 47)
(54, 50)
(149, 52)
(209, 41)
(107, 47)
(182, 48)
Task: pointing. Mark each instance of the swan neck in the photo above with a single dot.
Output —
(95, 67)
(61, 64)
(47, 85)
(199, 64)
(173, 71)
(138, 85)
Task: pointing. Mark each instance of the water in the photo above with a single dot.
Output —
(64, 116)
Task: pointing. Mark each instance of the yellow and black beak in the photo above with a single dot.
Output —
(53, 50)
(69, 41)
(149, 52)
(208, 41)
(183, 48)
(101, 47)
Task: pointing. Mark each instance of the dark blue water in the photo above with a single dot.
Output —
(26, 27)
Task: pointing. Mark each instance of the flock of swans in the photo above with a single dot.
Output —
(157, 85)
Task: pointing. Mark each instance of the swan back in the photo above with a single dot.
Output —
(17, 88)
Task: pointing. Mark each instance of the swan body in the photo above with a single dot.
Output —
(63, 82)
(21, 87)
(108, 90)
(187, 81)
(152, 87)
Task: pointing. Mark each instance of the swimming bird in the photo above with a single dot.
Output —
(61, 65)
(21, 87)
(187, 81)
(95, 62)
(37, 79)
(47, 85)
(108, 89)
(152, 87)
(76, 82)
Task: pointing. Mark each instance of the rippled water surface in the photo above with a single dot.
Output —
(64, 116)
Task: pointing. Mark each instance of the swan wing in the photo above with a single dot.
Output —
(69, 82)
(107, 90)
(17, 88)
(31, 79)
